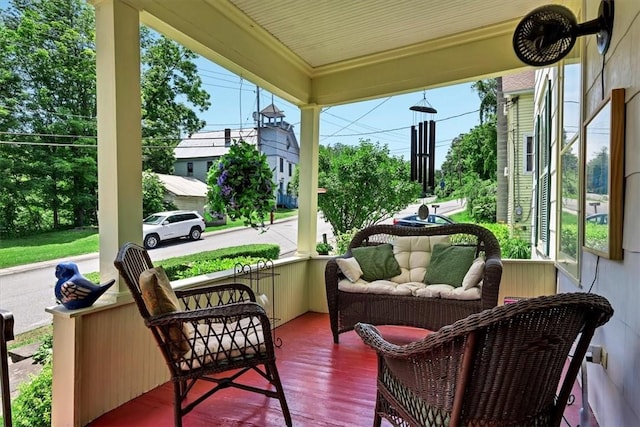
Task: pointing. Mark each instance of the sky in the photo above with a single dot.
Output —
(385, 120)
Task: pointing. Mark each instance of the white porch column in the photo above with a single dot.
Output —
(119, 200)
(308, 187)
(119, 131)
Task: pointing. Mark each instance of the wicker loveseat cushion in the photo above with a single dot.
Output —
(414, 256)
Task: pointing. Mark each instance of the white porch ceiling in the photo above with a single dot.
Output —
(337, 51)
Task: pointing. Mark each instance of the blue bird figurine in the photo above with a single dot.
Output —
(73, 290)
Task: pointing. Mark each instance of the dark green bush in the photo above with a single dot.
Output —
(481, 200)
(191, 269)
(212, 261)
(596, 236)
(32, 407)
(515, 249)
(44, 354)
(343, 240)
(218, 260)
(569, 239)
(511, 248)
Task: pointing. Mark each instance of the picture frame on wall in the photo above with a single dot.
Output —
(603, 186)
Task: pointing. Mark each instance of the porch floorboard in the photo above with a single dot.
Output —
(326, 385)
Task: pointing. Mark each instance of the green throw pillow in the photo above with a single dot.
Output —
(449, 264)
(377, 262)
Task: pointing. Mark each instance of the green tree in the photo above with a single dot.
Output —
(471, 154)
(48, 178)
(488, 93)
(365, 185)
(569, 176)
(153, 195)
(170, 85)
(598, 173)
(10, 158)
(54, 57)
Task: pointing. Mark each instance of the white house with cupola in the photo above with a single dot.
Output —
(273, 136)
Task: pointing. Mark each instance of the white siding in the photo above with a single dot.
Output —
(614, 392)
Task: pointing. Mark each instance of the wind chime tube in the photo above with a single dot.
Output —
(420, 153)
(425, 157)
(413, 155)
(432, 154)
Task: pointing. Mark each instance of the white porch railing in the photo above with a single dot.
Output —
(104, 356)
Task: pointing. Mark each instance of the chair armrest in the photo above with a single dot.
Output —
(215, 295)
(491, 281)
(434, 342)
(220, 314)
(371, 336)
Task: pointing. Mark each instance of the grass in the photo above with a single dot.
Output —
(461, 217)
(46, 246)
(62, 244)
(29, 337)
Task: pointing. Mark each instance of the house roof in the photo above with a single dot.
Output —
(211, 144)
(519, 82)
(183, 185)
(334, 51)
(272, 112)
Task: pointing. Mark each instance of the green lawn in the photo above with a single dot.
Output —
(62, 244)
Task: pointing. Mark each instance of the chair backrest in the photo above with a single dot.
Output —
(512, 357)
(131, 261)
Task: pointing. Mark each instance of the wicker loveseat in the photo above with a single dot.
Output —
(346, 308)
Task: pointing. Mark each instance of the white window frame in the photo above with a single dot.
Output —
(529, 159)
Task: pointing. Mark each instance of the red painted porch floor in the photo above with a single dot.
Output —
(325, 385)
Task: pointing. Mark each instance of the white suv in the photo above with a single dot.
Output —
(171, 225)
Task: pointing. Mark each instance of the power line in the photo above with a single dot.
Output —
(362, 116)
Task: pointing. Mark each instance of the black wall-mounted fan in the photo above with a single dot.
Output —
(548, 33)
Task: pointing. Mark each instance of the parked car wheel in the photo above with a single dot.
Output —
(195, 233)
(151, 241)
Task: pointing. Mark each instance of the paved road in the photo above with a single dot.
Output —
(27, 290)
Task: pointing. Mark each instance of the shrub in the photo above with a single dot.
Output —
(323, 248)
(32, 407)
(183, 271)
(44, 354)
(569, 239)
(343, 240)
(481, 201)
(516, 249)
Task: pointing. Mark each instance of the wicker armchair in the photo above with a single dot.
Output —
(221, 334)
(501, 367)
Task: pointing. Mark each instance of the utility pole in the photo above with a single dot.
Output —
(258, 143)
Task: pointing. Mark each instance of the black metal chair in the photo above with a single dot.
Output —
(219, 334)
(500, 367)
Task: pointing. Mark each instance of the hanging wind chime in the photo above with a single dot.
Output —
(423, 147)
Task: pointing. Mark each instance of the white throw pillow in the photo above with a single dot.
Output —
(350, 268)
(474, 274)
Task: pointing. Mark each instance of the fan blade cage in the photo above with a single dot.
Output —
(545, 35)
